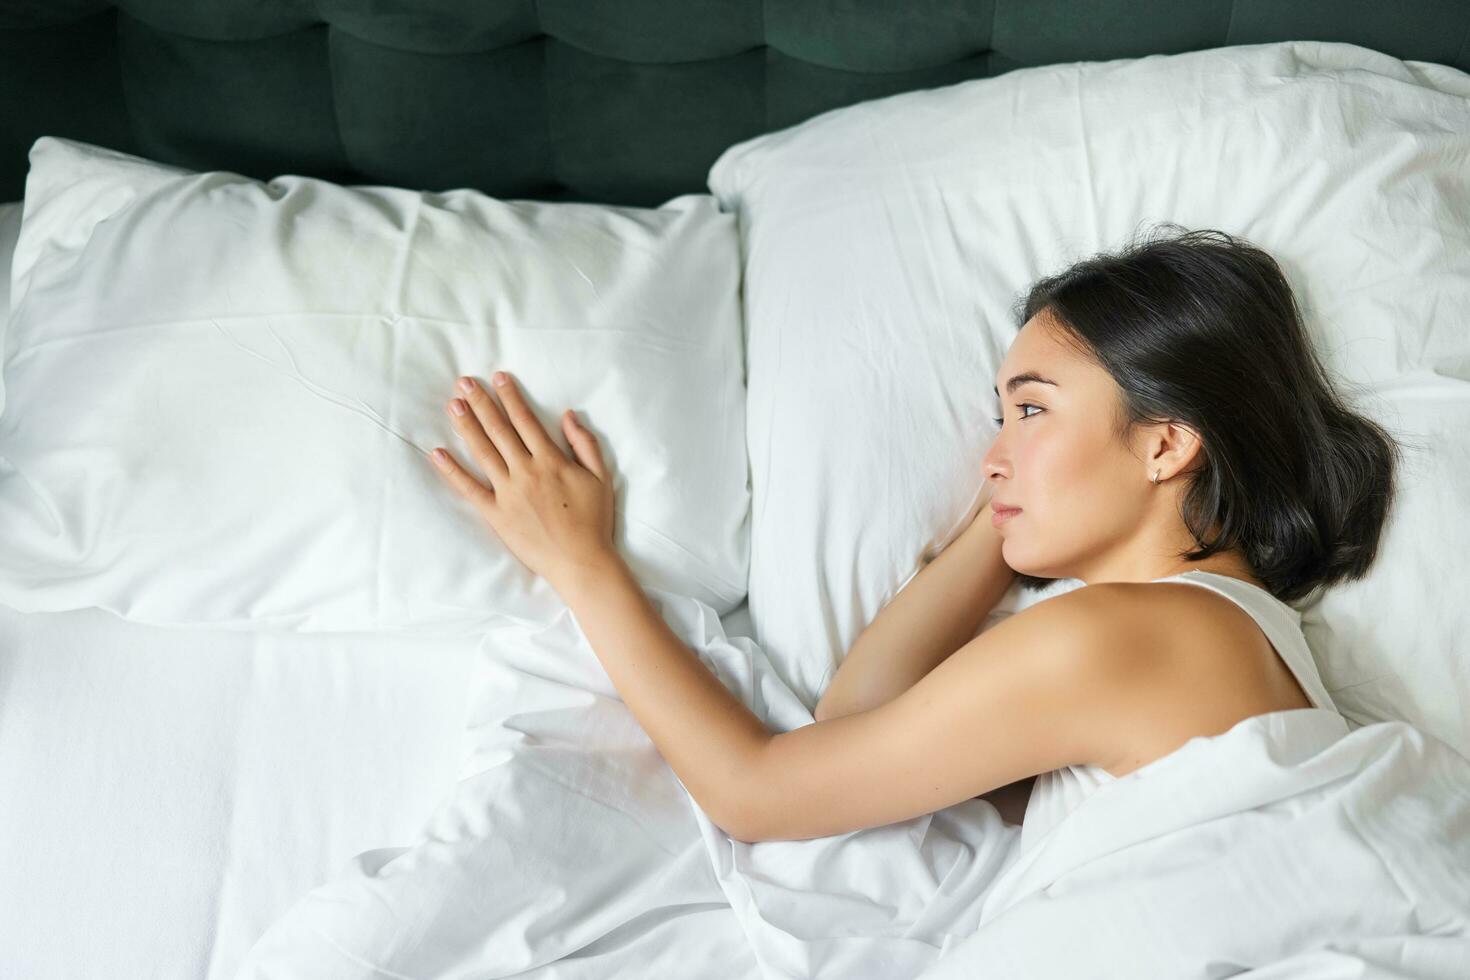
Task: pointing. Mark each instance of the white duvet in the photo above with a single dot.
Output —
(1288, 846)
(1285, 847)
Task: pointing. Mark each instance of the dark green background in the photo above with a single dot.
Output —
(614, 101)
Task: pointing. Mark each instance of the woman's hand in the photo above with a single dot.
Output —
(554, 513)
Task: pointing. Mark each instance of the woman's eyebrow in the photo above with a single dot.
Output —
(1024, 377)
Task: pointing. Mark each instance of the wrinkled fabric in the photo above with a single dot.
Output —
(1285, 847)
(1288, 839)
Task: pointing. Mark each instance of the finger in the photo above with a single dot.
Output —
(494, 422)
(532, 432)
(585, 445)
(460, 479)
(480, 448)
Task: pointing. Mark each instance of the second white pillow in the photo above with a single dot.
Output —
(220, 393)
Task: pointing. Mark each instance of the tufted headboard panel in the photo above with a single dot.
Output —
(615, 101)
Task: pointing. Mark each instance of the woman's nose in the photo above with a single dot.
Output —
(995, 465)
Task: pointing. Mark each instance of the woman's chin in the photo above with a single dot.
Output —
(1031, 575)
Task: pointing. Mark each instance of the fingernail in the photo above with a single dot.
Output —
(456, 406)
(440, 457)
(466, 385)
(499, 378)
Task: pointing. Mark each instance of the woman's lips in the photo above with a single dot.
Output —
(1003, 514)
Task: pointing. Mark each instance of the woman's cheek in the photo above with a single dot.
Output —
(1072, 464)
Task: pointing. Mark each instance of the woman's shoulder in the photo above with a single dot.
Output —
(1189, 621)
(1190, 662)
(1117, 627)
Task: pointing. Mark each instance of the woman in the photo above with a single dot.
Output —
(1169, 438)
(1166, 424)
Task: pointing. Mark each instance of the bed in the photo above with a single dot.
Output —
(172, 791)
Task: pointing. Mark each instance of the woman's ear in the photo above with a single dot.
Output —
(1172, 448)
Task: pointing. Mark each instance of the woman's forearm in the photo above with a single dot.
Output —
(704, 732)
(937, 612)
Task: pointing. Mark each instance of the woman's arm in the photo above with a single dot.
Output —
(936, 613)
(1039, 690)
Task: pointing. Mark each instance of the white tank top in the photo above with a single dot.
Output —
(1057, 793)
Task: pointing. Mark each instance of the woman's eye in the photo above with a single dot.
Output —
(1023, 406)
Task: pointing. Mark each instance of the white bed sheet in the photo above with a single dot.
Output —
(166, 794)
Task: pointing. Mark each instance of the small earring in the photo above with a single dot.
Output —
(1155, 477)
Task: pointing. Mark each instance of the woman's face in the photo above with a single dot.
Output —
(1083, 494)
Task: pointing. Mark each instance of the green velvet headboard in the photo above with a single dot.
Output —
(615, 101)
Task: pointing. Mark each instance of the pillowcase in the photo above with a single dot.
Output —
(220, 394)
(886, 245)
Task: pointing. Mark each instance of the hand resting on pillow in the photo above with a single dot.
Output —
(554, 514)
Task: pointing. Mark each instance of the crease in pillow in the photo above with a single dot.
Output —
(320, 391)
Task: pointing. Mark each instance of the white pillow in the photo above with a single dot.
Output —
(886, 243)
(220, 393)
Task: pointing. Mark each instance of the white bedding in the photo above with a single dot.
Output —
(280, 356)
(168, 793)
(1325, 852)
(487, 808)
(199, 803)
